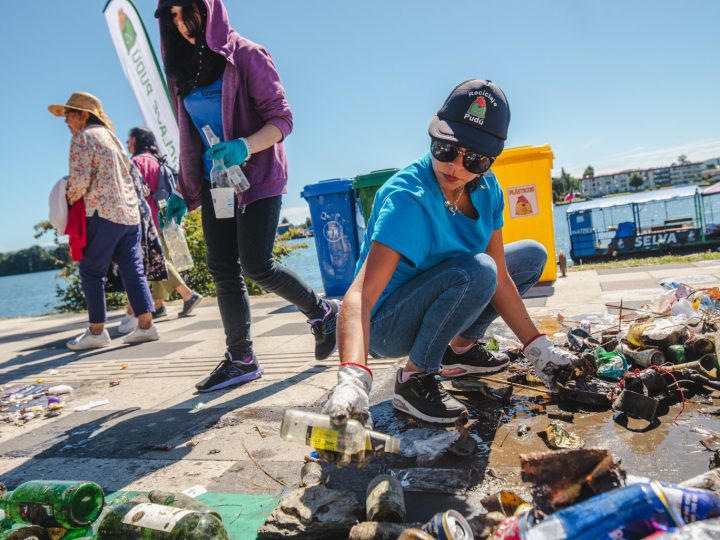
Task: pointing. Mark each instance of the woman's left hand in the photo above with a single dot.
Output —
(235, 152)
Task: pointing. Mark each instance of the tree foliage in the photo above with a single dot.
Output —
(564, 184)
(589, 172)
(636, 180)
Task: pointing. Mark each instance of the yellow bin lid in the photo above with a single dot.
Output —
(519, 154)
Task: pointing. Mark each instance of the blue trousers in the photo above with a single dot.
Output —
(453, 298)
(106, 242)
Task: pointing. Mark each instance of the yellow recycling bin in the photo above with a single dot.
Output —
(524, 173)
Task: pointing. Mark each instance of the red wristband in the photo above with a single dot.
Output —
(525, 345)
(360, 366)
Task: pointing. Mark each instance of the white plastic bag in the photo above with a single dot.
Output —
(59, 205)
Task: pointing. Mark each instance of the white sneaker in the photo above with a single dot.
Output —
(142, 335)
(88, 340)
(128, 324)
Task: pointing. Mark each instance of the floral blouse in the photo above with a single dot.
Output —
(100, 171)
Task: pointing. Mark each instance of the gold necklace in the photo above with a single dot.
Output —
(453, 206)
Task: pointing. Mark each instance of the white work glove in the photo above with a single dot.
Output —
(550, 362)
(350, 397)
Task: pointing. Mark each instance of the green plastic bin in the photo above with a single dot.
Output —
(365, 186)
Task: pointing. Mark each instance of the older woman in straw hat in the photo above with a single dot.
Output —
(102, 175)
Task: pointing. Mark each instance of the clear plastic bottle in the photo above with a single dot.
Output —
(316, 430)
(177, 246)
(220, 175)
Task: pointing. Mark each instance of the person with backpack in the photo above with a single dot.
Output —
(160, 178)
(220, 79)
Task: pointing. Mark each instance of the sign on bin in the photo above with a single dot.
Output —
(332, 211)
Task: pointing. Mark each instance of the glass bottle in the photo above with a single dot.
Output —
(53, 503)
(181, 500)
(316, 430)
(127, 520)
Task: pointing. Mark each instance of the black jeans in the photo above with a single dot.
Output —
(243, 246)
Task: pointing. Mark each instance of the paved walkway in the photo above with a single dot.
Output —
(228, 441)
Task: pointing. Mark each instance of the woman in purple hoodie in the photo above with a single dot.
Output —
(218, 78)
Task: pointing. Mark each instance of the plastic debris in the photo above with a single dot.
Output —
(610, 365)
(425, 444)
(92, 405)
(557, 437)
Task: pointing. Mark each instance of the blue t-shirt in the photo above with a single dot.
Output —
(410, 217)
(204, 105)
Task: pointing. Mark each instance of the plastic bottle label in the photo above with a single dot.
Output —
(155, 516)
(322, 438)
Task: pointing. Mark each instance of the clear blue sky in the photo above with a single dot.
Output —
(615, 84)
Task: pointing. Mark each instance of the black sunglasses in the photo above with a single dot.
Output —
(472, 161)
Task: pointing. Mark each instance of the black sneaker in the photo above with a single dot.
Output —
(423, 397)
(159, 312)
(476, 360)
(324, 330)
(191, 304)
(230, 373)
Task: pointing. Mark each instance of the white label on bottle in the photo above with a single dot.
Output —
(155, 516)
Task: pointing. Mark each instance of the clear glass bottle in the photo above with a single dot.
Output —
(127, 520)
(316, 430)
(220, 175)
(52, 503)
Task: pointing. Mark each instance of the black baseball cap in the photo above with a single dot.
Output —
(476, 116)
(167, 4)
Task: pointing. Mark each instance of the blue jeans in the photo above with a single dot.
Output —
(453, 298)
(108, 241)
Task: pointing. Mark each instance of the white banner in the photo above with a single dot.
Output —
(142, 70)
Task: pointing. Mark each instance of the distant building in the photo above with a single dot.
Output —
(673, 175)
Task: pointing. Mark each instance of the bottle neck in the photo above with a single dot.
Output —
(380, 442)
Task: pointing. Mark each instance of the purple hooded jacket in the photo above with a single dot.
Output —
(252, 96)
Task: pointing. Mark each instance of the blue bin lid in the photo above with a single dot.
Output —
(326, 187)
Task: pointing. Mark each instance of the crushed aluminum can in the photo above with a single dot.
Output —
(450, 525)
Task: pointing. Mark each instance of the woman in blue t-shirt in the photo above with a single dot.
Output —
(434, 273)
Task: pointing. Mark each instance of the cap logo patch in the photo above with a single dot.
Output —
(478, 107)
(476, 111)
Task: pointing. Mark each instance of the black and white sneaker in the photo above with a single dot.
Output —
(324, 330)
(231, 372)
(423, 397)
(476, 360)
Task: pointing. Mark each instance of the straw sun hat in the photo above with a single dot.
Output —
(82, 101)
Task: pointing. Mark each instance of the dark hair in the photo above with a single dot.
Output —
(144, 142)
(189, 66)
(94, 120)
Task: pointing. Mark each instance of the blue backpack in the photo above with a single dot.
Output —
(167, 182)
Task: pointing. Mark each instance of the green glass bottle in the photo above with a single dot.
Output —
(181, 500)
(25, 532)
(54, 503)
(127, 520)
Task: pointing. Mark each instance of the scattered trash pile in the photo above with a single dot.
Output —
(44, 510)
(586, 495)
(643, 360)
(21, 404)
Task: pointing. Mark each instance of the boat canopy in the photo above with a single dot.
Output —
(634, 198)
(712, 190)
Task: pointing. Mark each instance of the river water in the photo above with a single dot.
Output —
(34, 294)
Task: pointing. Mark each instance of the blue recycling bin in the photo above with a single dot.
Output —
(332, 210)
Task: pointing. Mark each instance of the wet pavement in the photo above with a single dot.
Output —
(157, 432)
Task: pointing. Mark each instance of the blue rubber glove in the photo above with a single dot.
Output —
(176, 208)
(235, 152)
